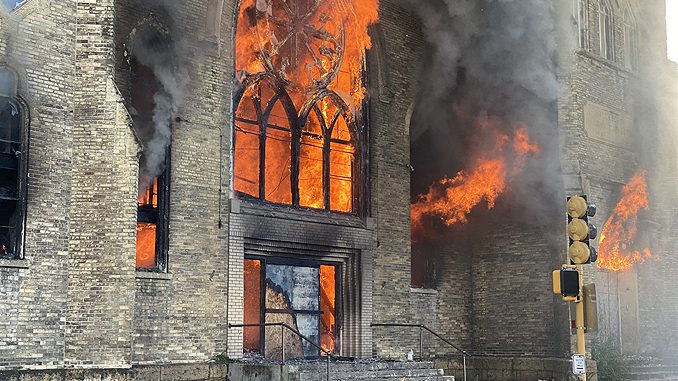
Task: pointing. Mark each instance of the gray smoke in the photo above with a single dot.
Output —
(165, 56)
(490, 57)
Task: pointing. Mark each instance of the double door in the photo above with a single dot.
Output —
(303, 294)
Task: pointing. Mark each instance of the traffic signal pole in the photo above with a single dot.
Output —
(580, 252)
(579, 318)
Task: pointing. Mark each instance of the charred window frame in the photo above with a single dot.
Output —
(299, 135)
(14, 137)
(605, 28)
(153, 213)
(630, 41)
(580, 15)
(154, 193)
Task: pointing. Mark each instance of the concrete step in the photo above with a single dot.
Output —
(433, 378)
(653, 373)
(370, 371)
(352, 366)
(385, 374)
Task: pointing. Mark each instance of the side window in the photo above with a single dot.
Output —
(13, 154)
(153, 200)
(580, 14)
(605, 29)
(630, 41)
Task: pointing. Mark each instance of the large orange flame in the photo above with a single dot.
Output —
(452, 199)
(328, 297)
(307, 44)
(617, 238)
(147, 232)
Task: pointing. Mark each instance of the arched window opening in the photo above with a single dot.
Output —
(299, 127)
(13, 163)
(327, 155)
(153, 200)
(605, 30)
(630, 41)
(580, 14)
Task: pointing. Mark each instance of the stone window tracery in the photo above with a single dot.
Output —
(299, 134)
(13, 166)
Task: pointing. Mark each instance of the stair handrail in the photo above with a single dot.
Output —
(284, 326)
(421, 341)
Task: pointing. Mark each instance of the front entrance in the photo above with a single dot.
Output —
(301, 293)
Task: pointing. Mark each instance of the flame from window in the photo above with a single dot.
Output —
(452, 199)
(252, 304)
(147, 231)
(149, 197)
(328, 297)
(617, 238)
(308, 46)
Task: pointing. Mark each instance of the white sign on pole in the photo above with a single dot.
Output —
(578, 364)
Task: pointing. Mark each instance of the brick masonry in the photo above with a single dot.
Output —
(77, 301)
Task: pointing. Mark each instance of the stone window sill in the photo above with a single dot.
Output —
(430, 291)
(152, 275)
(14, 263)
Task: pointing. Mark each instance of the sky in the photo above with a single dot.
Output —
(672, 29)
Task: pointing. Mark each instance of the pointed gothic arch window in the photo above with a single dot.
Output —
(299, 127)
(630, 40)
(13, 166)
(605, 29)
(580, 14)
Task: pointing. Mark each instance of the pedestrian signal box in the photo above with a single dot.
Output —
(566, 283)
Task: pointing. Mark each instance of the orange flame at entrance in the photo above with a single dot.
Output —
(619, 232)
(452, 199)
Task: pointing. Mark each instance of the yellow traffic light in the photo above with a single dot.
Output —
(576, 206)
(579, 231)
(579, 253)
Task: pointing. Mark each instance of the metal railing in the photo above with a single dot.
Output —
(282, 326)
(422, 327)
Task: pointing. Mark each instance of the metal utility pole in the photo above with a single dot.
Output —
(579, 320)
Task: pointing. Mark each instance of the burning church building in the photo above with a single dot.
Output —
(191, 188)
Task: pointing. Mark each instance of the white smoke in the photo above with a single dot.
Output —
(164, 57)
